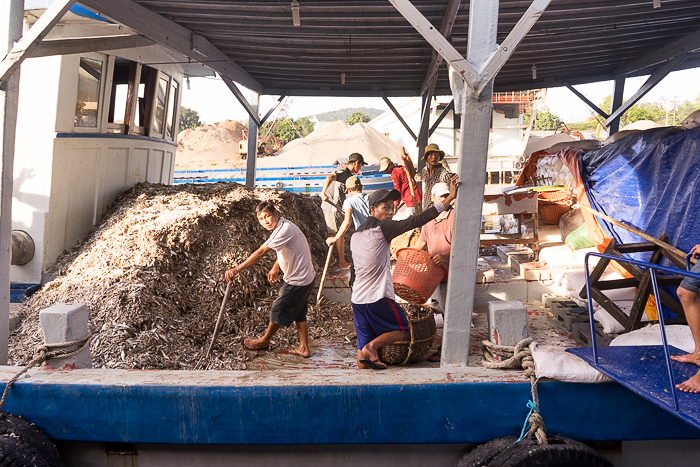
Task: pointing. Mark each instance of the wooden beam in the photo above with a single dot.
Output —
(653, 80)
(511, 42)
(588, 102)
(252, 113)
(49, 47)
(689, 43)
(272, 109)
(439, 43)
(24, 47)
(173, 36)
(399, 117)
(442, 115)
(448, 22)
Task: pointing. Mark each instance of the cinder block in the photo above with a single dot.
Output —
(507, 322)
(547, 299)
(582, 335)
(66, 323)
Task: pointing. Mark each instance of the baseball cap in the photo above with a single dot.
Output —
(353, 182)
(355, 156)
(382, 195)
(440, 189)
(384, 163)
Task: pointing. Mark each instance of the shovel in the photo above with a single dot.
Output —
(218, 321)
(323, 277)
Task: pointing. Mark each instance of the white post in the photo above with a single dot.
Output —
(252, 142)
(11, 21)
(473, 151)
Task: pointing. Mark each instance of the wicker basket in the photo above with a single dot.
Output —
(555, 196)
(416, 276)
(552, 212)
(414, 346)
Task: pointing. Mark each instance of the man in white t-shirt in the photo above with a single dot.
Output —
(294, 259)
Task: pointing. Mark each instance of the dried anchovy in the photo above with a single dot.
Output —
(152, 275)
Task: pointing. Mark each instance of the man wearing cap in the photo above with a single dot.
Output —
(379, 320)
(437, 235)
(434, 172)
(354, 165)
(400, 176)
(356, 207)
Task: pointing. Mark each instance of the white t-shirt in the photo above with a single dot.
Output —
(293, 253)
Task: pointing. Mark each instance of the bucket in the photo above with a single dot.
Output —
(416, 276)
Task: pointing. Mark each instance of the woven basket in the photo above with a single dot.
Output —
(555, 196)
(552, 212)
(416, 276)
(414, 346)
(405, 240)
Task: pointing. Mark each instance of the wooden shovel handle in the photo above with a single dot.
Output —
(220, 319)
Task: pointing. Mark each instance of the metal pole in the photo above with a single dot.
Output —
(473, 151)
(618, 90)
(11, 21)
(252, 142)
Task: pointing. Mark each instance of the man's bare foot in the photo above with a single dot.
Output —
(301, 351)
(693, 358)
(691, 385)
(255, 344)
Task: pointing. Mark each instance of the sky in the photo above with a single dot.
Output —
(214, 102)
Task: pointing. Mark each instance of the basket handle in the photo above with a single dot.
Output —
(410, 346)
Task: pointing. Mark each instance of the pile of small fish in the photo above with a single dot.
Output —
(152, 274)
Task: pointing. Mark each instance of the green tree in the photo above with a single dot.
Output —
(283, 129)
(357, 117)
(544, 120)
(189, 118)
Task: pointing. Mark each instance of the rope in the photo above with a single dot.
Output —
(46, 352)
(519, 357)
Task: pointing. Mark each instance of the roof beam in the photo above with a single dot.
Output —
(437, 40)
(688, 44)
(49, 47)
(653, 80)
(272, 109)
(172, 36)
(448, 22)
(443, 114)
(511, 42)
(253, 114)
(588, 102)
(398, 115)
(24, 47)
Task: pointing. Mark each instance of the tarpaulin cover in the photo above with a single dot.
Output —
(649, 180)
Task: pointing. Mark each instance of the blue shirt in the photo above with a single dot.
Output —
(359, 204)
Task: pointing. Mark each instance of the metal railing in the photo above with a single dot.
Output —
(659, 309)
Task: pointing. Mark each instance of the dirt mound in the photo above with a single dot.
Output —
(209, 146)
(152, 275)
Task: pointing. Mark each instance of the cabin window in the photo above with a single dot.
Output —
(161, 94)
(88, 98)
(172, 101)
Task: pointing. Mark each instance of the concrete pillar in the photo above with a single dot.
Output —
(252, 142)
(11, 22)
(66, 323)
(618, 91)
(474, 145)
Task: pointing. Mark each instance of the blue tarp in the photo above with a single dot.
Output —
(649, 180)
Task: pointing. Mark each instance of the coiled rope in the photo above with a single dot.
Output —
(46, 352)
(519, 357)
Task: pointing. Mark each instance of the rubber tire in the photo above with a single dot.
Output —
(485, 453)
(16, 453)
(31, 435)
(561, 452)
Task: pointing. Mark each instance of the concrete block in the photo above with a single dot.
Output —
(507, 322)
(15, 321)
(548, 297)
(582, 335)
(66, 323)
(560, 306)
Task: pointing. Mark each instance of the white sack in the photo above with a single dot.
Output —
(552, 361)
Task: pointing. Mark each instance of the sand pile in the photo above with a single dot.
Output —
(210, 146)
(152, 275)
(328, 143)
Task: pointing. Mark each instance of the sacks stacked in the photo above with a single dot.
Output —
(553, 169)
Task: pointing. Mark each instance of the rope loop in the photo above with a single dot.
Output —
(46, 352)
(519, 357)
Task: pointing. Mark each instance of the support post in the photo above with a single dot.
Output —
(474, 144)
(618, 90)
(11, 21)
(252, 140)
(423, 131)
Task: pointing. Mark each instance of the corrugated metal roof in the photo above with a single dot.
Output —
(574, 41)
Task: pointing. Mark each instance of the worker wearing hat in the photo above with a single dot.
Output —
(400, 176)
(379, 320)
(353, 167)
(434, 172)
(437, 236)
(356, 207)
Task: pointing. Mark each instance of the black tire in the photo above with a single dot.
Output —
(560, 452)
(16, 453)
(30, 434)
(485, 453)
